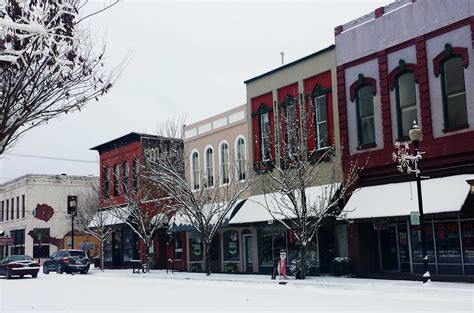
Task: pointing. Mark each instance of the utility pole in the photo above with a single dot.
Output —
(72, 210)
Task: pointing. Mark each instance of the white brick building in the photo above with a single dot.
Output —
(33, 212)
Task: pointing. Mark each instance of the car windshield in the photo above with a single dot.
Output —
(77, 254)
(15, 258)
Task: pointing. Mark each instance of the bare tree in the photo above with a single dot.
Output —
(49, 64)
(203, 203)
(93, 220)
(305, 187)
(145, 213)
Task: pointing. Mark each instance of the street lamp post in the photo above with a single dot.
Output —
(410, 163)
(72, 210)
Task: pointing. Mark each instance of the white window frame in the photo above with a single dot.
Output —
(209, 167)
(238, 160)
(194, 171)
(264, 135)
(320, 122)
(222, 164)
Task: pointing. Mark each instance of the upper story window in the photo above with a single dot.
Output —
(195, 170)
(17, 207)
(116, 179)
(12, 211)
(240, 158)
(265, 148)
(406, 102)
(209, 167)
(362, 92)
(365, 115)
(224, 168)
(7, 215)
(321, 122)
(23, 206)
(106, 180)
(291, 126)
(450, 64)
(126, 174)
(2, 210)
(136, 173)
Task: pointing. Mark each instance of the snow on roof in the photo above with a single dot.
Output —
(255, 208)
(109, 217)
(446, 194)
(181, 222)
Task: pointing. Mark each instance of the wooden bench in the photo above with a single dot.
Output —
(137, 265)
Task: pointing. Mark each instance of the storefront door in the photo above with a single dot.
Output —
(216, 254)
(248, 254)
(388, 248)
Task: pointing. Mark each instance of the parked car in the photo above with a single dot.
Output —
(67, 261)
(18, 265)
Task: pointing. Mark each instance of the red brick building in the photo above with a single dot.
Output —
(122, 162)
(409, 61)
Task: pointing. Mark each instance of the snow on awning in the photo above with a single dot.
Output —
(255, 208)
(180, 222)
(109, 217)
(446, 194)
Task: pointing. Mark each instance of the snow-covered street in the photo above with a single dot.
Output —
(120, 290)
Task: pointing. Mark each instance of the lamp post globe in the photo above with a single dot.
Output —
(415, 133)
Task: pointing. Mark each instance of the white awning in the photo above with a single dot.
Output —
(255, 208)
(181, 222)
(446, 194)
(110, 217)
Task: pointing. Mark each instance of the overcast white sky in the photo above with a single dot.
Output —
(189, 58)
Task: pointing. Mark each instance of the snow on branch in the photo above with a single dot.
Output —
(49, 65)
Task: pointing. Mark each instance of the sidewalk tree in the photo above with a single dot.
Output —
(49, 64)
(93, 220)
(296, 170)
(145, 209)
(204, 205)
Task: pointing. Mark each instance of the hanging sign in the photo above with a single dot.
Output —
(415, 218)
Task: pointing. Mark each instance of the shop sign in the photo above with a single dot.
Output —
(415, 218)
(6, 241)
(381, 226)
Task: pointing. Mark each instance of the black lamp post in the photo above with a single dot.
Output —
(416, 136)
(72, 210)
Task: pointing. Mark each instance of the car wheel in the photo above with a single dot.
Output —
(45, 270)
(8, 274)
(34, 275)
(59, 269)
(85, 271)
(21, 276)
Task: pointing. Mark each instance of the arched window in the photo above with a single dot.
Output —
(454, 92)
(291, 127)
(136, 172)
(209, 167)
(195, 170)
(125, 173)
(224, 159)
(365, 115)
(116, 179)
(240, 158)
(406, 102)
(106, 180)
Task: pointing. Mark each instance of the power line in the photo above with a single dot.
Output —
(34, 156)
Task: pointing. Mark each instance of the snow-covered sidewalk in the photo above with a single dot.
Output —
(120, 290)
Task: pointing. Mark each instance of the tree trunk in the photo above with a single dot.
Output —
(302, 265)
(207, 258)
(102, 254)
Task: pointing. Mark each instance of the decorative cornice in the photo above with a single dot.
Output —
(361, 81)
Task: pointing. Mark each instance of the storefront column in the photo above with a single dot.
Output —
(409, 247)
(462, 249)
(398, 247)
(434, 246)
(380, 251)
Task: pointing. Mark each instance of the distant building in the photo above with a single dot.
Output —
(33, 212)
(122, 161)
(410, 60)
